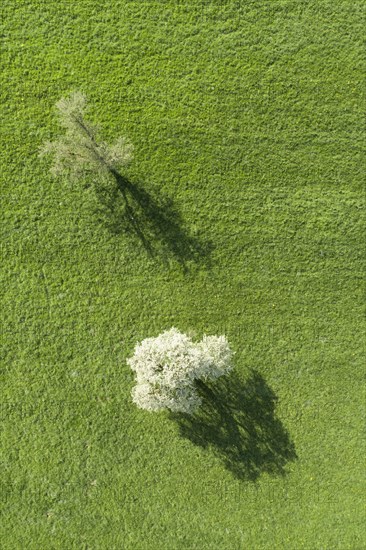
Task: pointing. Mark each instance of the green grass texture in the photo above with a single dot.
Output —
(246, 188)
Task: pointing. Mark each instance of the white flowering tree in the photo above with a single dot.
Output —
(166, 368)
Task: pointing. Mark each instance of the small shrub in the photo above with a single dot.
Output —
(166, 368)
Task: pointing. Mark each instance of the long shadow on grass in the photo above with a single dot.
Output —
(152, 220)
(238, 423)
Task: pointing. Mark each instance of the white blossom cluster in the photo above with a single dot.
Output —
(167, 366)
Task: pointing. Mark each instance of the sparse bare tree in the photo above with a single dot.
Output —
(78, 152)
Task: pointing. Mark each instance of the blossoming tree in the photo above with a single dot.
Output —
(166, 368)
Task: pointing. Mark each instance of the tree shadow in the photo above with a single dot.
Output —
(238, 423)
(128, 208)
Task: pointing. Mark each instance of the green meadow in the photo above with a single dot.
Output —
(247, 187)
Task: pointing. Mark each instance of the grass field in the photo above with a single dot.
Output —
(247, 122)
